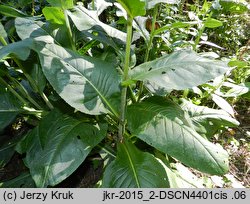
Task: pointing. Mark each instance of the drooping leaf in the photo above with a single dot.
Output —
(206, 120)
(134, 169)
(90, 85)
(151, 3)
(212, 23)
(64, 4)
(11, 12)
(54, 15)
(179, 70)
(87, 22)
(165, 126)
(57, 146)
(237, 90)
(20, 49)
(10, 107)
(223, 104)
(134, 7)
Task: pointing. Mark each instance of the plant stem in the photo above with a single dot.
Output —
(46, 100)
(125, 77)
(13, 91)
(149, 46)
(197, 40)
(69, 30)
(2, 40)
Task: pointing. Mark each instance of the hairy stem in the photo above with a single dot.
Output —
(69, 31)
(125, 77)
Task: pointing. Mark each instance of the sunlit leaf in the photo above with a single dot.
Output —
(88, 84)
(179, 70)
(165, 126)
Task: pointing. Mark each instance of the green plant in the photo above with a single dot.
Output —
(91, 85)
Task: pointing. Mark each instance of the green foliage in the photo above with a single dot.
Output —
(85, 86)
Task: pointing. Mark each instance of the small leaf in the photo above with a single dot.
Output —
(57, 146)
(165, 126)
(134, 169)
(208, 121)
(223, 104)
(212, 23)
(133, 7)
(179, 70)
(54, 15)
(64, 4)
(151, 3)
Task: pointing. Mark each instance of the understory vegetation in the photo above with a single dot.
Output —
(126, 93)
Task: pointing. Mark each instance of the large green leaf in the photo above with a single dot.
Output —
(29, 28)
(134, 7)
(206, 120)
(87, 84)
(10, 107)
(179, 70)
(57, 146)
(134, 169)
(87, 21)
(165, 126)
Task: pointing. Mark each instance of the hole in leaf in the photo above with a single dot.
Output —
(173, 70)
(150, 69)
(78, 137)
(163, 72)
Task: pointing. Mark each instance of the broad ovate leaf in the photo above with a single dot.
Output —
(88, 84)
(3, 33)
(133, 168)
(134, 7)
(165, 126)
(208, 121)
(179, 70)
(57, 146)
